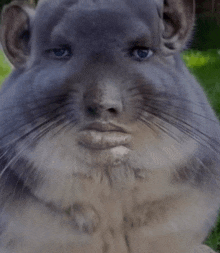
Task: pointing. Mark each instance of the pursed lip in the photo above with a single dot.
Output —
(104, 127)
(101, 136)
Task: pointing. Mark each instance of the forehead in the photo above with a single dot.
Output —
(139, 6)
(91, 19)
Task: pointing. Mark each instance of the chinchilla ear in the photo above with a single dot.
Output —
(15, 32)
(178, 20)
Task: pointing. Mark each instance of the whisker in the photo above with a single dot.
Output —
(184, 110)
(37, 127)
(45, 101)
(186, 128)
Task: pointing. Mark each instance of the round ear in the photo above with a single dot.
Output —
(178, 21)
(15, 32)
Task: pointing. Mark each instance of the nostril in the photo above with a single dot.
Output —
(112, 110)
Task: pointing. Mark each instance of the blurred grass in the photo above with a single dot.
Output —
(213, 240)
(205, 65)
(5, 68)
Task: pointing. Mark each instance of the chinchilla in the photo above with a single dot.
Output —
(107, 142)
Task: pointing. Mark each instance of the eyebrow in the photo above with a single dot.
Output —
(58, 36)
(143, 40)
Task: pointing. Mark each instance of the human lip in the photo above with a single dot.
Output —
(104, 127)
(103, 136)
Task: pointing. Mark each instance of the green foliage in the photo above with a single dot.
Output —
(213, 240)
(5, 68)
(206, 67)
(207, 32)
